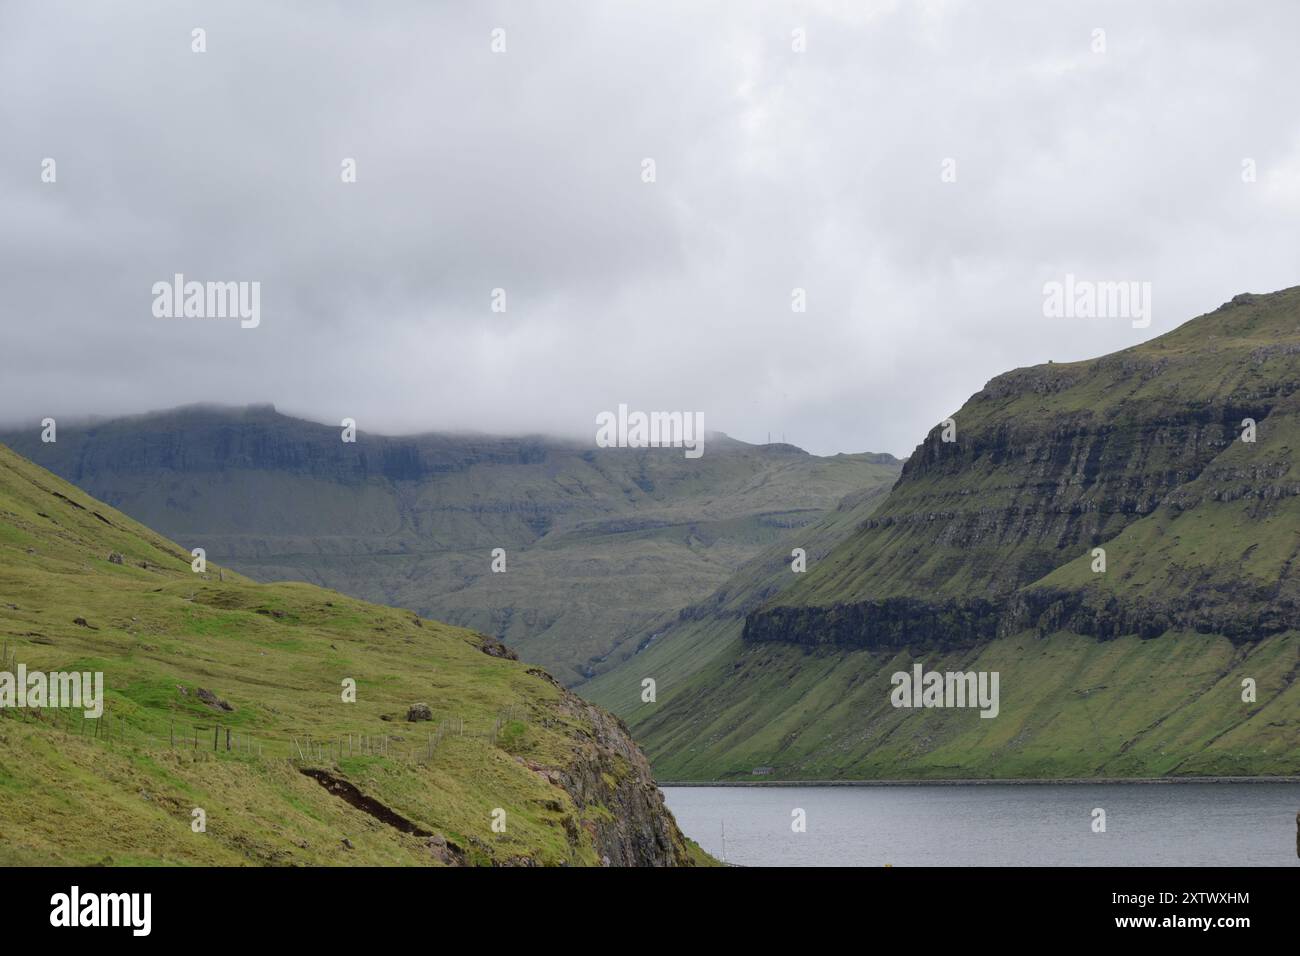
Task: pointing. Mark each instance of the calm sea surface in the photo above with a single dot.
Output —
(1195, 824)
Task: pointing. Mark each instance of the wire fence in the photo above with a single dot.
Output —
(183, 734)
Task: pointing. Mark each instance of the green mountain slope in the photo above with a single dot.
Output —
(1053, 461)
(598, 542)
(982, 558)
(227, 696)
(679, 645)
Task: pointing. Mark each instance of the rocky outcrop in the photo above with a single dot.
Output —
(610, 781)
(419, 711)
(896, 623)
(1239, 613)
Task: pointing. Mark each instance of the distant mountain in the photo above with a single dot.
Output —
(598, 542)
(223, 704)
(984, 558)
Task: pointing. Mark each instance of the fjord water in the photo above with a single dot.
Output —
(1186, 824)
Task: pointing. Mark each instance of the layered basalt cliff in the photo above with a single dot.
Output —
(889, 623)
(1140, 454)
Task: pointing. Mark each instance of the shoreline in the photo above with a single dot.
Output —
(958, 782)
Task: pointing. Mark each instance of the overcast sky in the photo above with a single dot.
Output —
(774, 170)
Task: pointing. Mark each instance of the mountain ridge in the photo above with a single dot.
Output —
(415, 521)
(1097, 479)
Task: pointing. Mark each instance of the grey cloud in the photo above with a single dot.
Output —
(775, 170)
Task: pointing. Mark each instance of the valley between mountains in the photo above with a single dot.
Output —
(599, 543)
(1180, 658)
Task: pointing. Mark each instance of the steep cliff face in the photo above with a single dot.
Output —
(1138, 453)
(618, 804)
(613, 775)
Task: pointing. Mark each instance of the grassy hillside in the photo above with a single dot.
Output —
(677, 646)
(187, 656)
(1052, 461)
(982, 557)
(599, 542)
(1071, 706)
